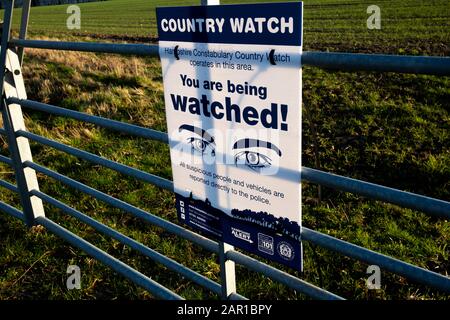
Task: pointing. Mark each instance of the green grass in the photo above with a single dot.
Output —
(408, 26)
(389, 128)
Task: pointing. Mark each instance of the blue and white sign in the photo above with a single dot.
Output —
(232, 89)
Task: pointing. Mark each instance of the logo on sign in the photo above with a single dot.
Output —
(285, 250)
(265, 243)
(243, 235)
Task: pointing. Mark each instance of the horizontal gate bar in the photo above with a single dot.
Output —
(346, 248)
(6, 160)
(100, 121)
(402, 198)
(126, 170)
(32, 136)
(282, 277)
(206, 243)
(374, 191)
(119, 204)
(377, 62)
(6, 208)
(329, 60)
(150, 253)
(119, 48)
(9, 186)
(115, 264)
(396, 266)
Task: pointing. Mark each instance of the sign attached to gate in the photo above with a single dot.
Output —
(232, 89)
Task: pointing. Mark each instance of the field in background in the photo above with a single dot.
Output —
(390, 129)
(408, 26)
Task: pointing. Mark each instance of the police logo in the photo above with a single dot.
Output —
(285, 250)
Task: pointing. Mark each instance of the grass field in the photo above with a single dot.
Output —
(390, 129)
(408, 26)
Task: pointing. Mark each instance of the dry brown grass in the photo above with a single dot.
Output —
(90, 62)
(118, 87)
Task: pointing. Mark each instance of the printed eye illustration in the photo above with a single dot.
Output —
(201, 146)
(201, 143)
(254, 159)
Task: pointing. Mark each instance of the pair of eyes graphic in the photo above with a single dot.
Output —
(204, 144)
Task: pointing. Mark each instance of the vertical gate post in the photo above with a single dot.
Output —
(11, 85)
(24, 26)
(210, 2)
(227, 267)
(227, 271)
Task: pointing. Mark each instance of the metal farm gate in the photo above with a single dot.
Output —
(14, 100)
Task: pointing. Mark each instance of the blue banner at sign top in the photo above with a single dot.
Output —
(264, 23)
